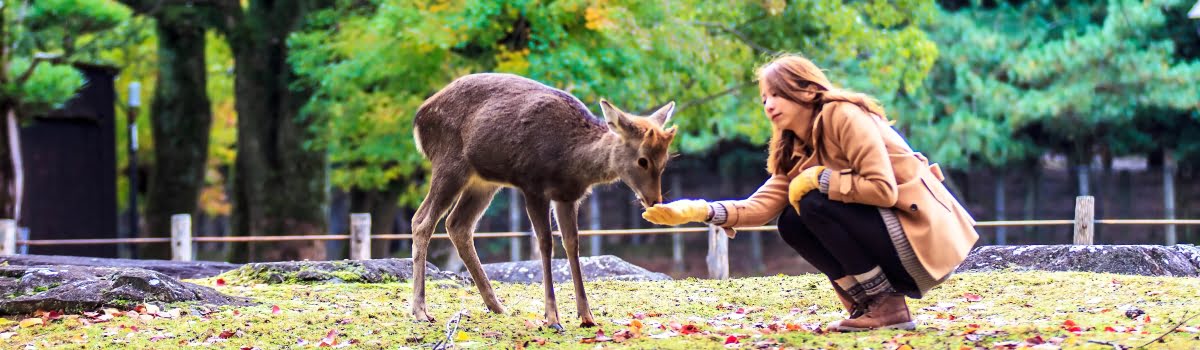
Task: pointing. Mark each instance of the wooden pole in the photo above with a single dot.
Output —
(360, 236)
(718, 253)
(594, 223)
(514, 225)
(1001, 214)
(1169, 194)
(1085, 225)
(8, 237)
(181, 237)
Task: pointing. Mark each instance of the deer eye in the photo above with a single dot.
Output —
(642, 162)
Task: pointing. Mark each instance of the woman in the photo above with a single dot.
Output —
(865, 210)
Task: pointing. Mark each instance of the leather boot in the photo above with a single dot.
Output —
(884, 311)
(851, 308)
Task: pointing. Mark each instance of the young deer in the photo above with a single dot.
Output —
(487, 131)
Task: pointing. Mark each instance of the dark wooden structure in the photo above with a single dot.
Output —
(70, 169)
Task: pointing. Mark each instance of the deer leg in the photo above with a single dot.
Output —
(568, 215)
(538, 209)
(443, 191)
(461, 226)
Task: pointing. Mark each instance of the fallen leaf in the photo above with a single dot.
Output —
(1036, 340)
(636, 324)
(731, 340)
(1147, 319)
(275, 310)
(972, 297)
(330, 339)
(1069, 323)
(904, 347)
(220, 282)
(30, 322)
(461, 336)
(226, 334)
(529, 324)
(689, 329)
(623, 335)
(491, 334)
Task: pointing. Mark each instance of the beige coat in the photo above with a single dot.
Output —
(871, 164)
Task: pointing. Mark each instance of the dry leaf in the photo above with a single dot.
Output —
(30, 322)
(972, 297)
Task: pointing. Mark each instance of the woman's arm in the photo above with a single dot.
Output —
(759, 209)
(870, 179)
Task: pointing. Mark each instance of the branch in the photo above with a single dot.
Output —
(713, 96)
(1172, 330)
(37, 58)
(737, 33)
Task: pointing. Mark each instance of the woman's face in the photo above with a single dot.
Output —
(782, 112)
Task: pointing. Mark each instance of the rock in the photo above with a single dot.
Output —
(604, 267)
(343, 271)
(26, 289)
(176, 269)
(1145, 260)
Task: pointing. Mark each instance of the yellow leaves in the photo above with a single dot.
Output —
(515, 62)
(774, 7)
(30, 322)
(596, 18)
(462, 336)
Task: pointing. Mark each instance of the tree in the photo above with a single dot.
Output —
(38, 43)
(181, 116)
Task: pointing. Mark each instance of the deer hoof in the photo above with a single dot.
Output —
(556, 327)
(421, 316)
(587, 324)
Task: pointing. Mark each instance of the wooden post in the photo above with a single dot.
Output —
(1001, 214)
(677, 239)
(718, 253)
(181, 237)
(1085, 219)
(8, 237)
(360, 236)
(594, 223)
(1169, 194)
(514, 225)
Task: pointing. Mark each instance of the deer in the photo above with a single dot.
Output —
(486, 131)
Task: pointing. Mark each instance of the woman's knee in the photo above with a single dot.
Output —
(814, 202)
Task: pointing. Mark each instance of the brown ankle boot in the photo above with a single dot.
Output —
(884, 311)
(851, 308)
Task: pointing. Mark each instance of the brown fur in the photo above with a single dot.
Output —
(487, 131)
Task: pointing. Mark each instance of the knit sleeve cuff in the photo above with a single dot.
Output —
(719, 214)
(823, 181)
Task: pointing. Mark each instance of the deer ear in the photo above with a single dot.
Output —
(616, 119)
(663, 115)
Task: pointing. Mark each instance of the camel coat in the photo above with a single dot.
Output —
(867, 162)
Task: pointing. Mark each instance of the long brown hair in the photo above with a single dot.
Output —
(789, 75)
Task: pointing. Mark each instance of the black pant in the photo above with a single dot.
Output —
(841, 239)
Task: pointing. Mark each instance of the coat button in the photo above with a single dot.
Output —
(913, 207)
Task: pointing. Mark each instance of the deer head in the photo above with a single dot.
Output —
(641, 155)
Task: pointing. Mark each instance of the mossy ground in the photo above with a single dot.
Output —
(1014, 307)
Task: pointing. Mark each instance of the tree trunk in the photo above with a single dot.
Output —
(1169, 195)
(14, 184)
(279, 184)
(181, 117)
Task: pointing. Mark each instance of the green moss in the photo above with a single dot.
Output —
(1015, 306)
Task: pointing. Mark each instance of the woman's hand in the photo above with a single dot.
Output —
(808, 180)
(677, 212)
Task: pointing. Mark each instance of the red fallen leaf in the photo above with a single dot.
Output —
(623, 335)
(1069, 323)
(1075, 330)
(275, 309)
(792, 327)
(330, 339)
(226, 334)
(1147, 319)
(972, 297)
(689, 329)
(220, 282)
(1110, 329)
(599, 338)
(740, 310)
(248, 348)
(731, 340)
(1036, 340)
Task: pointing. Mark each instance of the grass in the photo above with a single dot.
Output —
(1015, 307)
